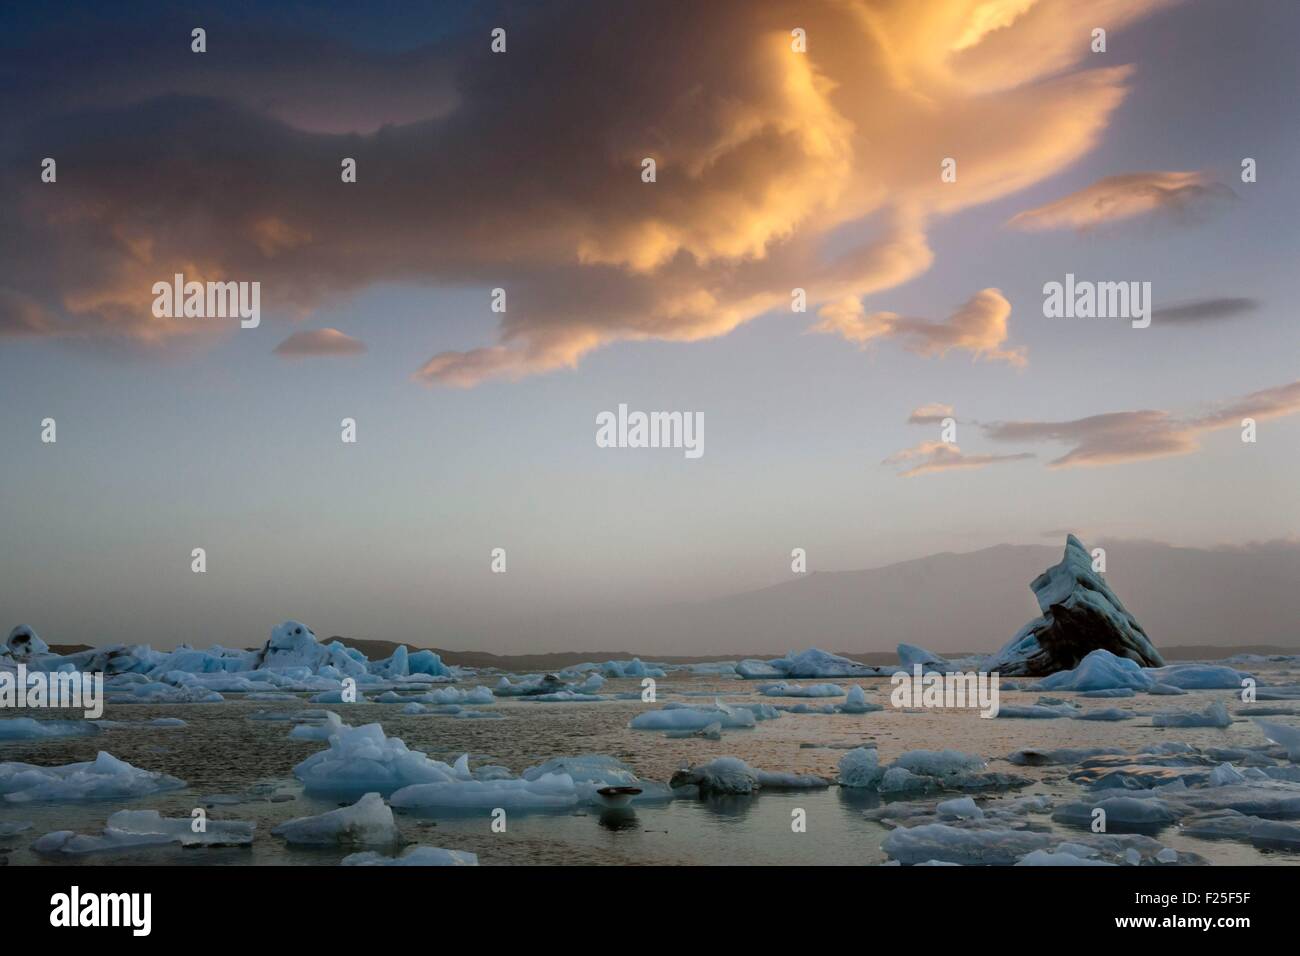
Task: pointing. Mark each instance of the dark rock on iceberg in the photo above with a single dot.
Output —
(1080, 614)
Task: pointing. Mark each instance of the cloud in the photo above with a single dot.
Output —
(317, 342)
(523, 170)
(930, 414)
(931, 456)
(1117, 198)
(1120, 437)
(1203, 310)
(978, 327)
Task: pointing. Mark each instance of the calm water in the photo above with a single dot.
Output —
(222, 751)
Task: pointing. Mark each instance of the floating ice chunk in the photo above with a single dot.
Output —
(414, 856)
(731, 775)
(963, 808)
(160, 693)
(1232, 825)
(812, 663)
(1166, 690)
(782, 689)
(910, 655)
(9, 829)
(564, 697)
(632, 668)
(1216, 715)
(25, 728)
(1035, 711)
(591, 772)
(1065, 755)
(856, 702)
(1121, 812)
(1110, 692)
(332, 724)
(1107, 713)
(1078, 610)
(104, 778)
(167, 722)
(361, 759)
(967, 846)
(24, 644)
(1059, 857)
(454, 695)
(1225, 774)
(1287, 737)
(478, 715)
(751, 669)
(460, 791)
(293, 645)
(336, 697)
(677, 717)
(128, 829)
(1100, 670)
(711, 732)
(1167, 855)
(1199, 676)
(368, 821)
(939, 763)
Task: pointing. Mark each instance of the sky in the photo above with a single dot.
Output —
(776, 168)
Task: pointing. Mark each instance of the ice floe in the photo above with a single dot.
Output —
(138, 829)
(731, 775)
(413, 856)
(368, 821)
(104, 778)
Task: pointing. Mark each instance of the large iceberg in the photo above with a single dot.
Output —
(1080, 614)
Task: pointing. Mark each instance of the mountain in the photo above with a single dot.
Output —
(973, 601)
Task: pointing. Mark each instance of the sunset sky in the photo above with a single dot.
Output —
(522, 170)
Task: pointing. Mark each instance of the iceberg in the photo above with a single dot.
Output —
(132, 829)
(104, 778)
(731, 775)
(25, 728)
(674, 716)
(860, 768)
(23, 644)
(1216, 715)
(1287, 737)
(368, 821)
(413, 856)
(1080, 614)
(856, 702)
(362, 759)
(782, 689)
(812, 663)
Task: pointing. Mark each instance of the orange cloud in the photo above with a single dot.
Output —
(932, 456)
(978, 327)
(319, 342)
(525, 174)
(1120, 437)
(1117, 198)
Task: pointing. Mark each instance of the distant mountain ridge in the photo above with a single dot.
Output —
(949, 603)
